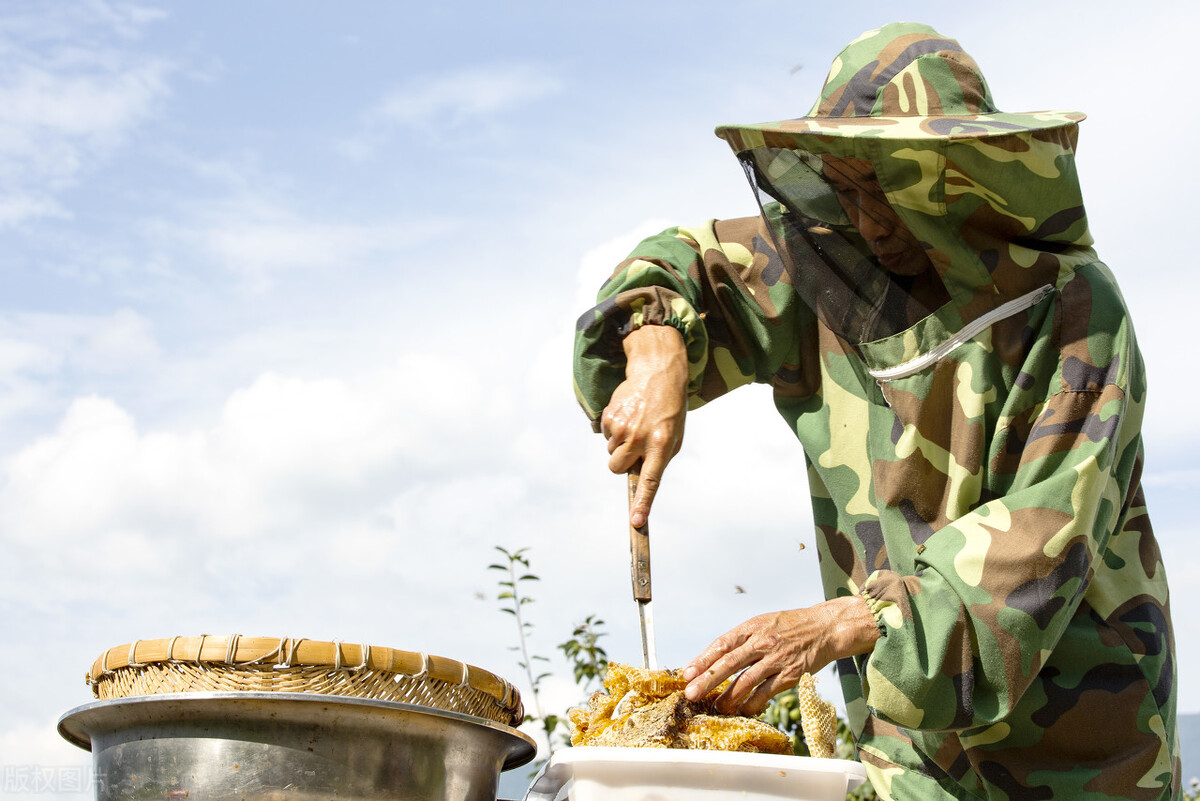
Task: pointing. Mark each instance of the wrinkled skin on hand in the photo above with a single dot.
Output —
(643, 422)
(773, 650)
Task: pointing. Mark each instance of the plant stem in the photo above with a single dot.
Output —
(537, 705)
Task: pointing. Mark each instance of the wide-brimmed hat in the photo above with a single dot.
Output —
(903, 81)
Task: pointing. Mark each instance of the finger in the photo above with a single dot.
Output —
(715, 650)
(757, 701)
(704, 683)
(716, 672)
(613, 426)
(743, 686)
(647, 487)
(606, 421)
(622, 449)
(622, 459)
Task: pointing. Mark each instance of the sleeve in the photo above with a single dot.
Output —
(993, 591)
(723, 286)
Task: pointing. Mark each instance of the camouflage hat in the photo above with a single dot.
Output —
(907, 81)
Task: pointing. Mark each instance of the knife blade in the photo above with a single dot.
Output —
(639, 548)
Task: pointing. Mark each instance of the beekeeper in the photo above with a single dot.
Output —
(921, 292)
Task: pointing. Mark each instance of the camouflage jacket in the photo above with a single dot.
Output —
(974, 472)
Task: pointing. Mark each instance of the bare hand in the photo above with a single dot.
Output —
(644, 418)
(773, 650)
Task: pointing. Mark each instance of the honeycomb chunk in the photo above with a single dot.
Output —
(641, 708)
(732, 733)
(818, 719)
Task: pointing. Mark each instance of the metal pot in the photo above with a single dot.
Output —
(253, 746)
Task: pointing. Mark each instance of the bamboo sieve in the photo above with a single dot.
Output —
(263, 664)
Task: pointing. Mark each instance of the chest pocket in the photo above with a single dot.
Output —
(931, 469)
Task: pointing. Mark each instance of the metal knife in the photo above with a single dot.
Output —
(639, 547)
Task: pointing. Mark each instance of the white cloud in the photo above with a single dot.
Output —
(16, 208)
(20, 356)
(79, 464)
(126, 19)
(462, 96)
(472, 96)
(40, 343)
(260, 238)
(121, 341)
(284, 453)
(82, 21)
(66, 104)
(41, 353)
(260, 250)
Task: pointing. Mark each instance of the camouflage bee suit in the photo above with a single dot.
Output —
(972, 432)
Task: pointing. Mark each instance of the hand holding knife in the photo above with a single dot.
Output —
(639, 547)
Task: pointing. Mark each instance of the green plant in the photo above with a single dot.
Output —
(516, 574)
(587, 658)
(589, 661)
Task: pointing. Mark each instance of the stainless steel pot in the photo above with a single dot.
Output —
(283, 746)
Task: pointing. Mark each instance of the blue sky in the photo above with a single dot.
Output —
(285, 341)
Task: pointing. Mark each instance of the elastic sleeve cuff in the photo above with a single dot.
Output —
(876, 607)
(599, 353)
(875, 592)
(675, 311)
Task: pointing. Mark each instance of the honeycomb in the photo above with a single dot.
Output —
(818, 719)
(641, 708)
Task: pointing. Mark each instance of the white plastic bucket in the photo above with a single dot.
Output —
(593, 773)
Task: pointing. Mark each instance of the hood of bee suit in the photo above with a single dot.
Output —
(905, 205)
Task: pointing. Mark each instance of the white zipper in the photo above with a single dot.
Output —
(1014, 306)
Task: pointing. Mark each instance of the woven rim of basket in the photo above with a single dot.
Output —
(255, 657)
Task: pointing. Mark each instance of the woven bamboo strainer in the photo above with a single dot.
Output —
(263, 664)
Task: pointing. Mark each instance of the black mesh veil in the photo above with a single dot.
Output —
(849, 255)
